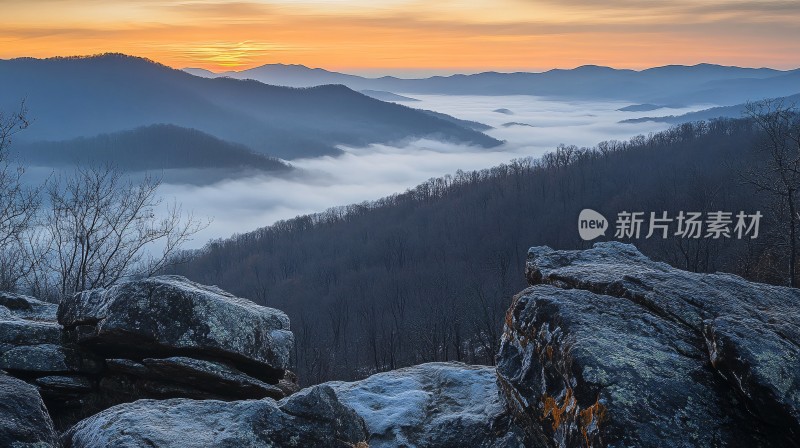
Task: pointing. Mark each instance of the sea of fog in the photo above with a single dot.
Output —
(359, 174)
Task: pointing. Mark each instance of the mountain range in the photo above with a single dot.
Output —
(76, 97)
(696, 84)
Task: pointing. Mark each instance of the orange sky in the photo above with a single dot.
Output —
(408, 37)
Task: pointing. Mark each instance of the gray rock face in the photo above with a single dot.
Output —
(164, 337)
(48, 358)
(24, 421)
(609, 348)
(172, 316)
(32, 347)
(207, 377)
(28, 308)
(312, 418)
(443, 405)
(26, 322)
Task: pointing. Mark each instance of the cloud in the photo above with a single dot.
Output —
(370, 173)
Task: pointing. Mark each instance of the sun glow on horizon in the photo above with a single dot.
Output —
(390, 36)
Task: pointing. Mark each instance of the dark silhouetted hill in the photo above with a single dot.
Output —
(154, 147)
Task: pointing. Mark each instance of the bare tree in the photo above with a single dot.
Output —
(780, 175)
(103, 228)
(18, 204)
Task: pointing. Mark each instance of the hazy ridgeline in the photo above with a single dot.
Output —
(426, 275)
(671, 84)
(86, 96)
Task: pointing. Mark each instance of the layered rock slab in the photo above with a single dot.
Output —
(609, 348)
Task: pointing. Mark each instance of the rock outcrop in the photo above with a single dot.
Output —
(33, 347)
(162, 337)
(171, 315)
(609, 348)
(24, 421)
(311, 418)
(444, 405)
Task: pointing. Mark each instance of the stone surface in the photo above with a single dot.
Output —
(64, 386)
(610, 348)
(213, 377)
(24, 421)
(444, 405)
(172, 316)
(28, 308)
(312, 418)
(48, 358)
(30, 335)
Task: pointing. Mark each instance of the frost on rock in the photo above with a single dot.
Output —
(311, 419)
(432, 405)
(172, 316)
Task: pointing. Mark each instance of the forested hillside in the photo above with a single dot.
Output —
(155, 147)
(427, 274)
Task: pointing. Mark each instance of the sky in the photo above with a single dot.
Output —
(410, 37)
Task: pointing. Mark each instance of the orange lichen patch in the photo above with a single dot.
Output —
(556, 412)
(595, 413)
(509, 318)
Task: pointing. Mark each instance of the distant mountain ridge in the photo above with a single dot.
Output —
(701, 83)
(83, 96)
(734, 111)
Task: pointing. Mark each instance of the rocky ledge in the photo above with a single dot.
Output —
(165, 362)
(159, 338)
(609, 348)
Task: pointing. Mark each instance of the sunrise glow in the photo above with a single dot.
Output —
(391, 36)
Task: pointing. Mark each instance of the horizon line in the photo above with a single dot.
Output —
(454, 72)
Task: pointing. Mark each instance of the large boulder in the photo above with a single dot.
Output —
(312, 418)
(442, 405)
(24, 421)
(171, 316)
(609, 348)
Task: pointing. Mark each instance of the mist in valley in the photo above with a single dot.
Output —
(535, 126)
